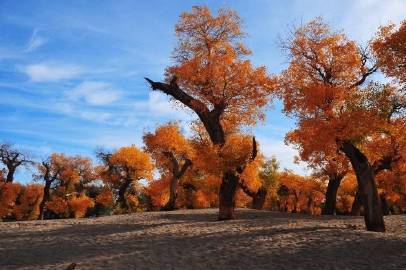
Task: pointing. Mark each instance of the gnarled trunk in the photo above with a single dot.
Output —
(177, 174)
(259, 199)
(365, 177)
(228, 189)
(170, 205)
(331, 194)
(10, 175)
(45, 198)
(121, 194)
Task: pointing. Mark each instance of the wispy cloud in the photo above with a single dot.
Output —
(43, 72)
(35, 41)
(364, 17)
(94, 93)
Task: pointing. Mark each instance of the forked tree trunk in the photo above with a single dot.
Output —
(331, 194)
(365, 177)
(259, 199)
(227, 193)
(177, 174)
(211, 121)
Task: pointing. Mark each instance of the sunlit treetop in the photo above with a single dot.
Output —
(168, 142)
(211, 66)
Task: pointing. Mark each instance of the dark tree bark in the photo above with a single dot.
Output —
(45, 199)
(10, 174)
(385, 206)
(228, 189)
(258, 198)
(49, 177)
(331, 194)
(365, 177)
(384, 163)
(12, 159)
(176, 176)
(212, 124)
(121, 194)
(357, 204)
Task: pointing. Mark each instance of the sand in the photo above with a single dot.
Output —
(193, 239)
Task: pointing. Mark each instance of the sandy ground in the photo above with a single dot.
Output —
(193, 239)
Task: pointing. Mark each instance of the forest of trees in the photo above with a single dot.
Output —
(350, 130)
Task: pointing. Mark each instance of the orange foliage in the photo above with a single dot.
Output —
(389, 47)
(167, 139)
(105, 198)
(58, 206)
(346, 194)
(8, 196)
(211, 66)
(79, 205)
(29, 200)
(303, 194)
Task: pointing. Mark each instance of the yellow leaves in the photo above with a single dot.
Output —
(134, 163)
(79, 205)
(211, 66)
(158, 190)
(29, 201)
(168, 139)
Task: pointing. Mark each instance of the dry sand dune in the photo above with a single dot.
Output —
(193, 239)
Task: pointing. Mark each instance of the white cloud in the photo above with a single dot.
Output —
(43, 72)
(94, 93)
(35, 41)
(364, 17)
(71, 110)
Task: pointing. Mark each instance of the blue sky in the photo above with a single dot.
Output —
(71, 72)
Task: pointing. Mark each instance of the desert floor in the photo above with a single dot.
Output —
(193, 239)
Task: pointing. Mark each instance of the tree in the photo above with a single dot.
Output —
(389, 47)
(266, 174)
(213, 78)
(49, 171)
(323, 89)
(172, 154)
(28, 202)
(65, 180)
(123, 168)
(12, 159)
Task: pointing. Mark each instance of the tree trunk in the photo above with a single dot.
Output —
(385, 206)
(228, 189)
(45, 198)
(357, 204)
(10, 175)
(176, 175)
(170, 205)
(365, 177)
(121, 194)
(331, 194)
(259, 199)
